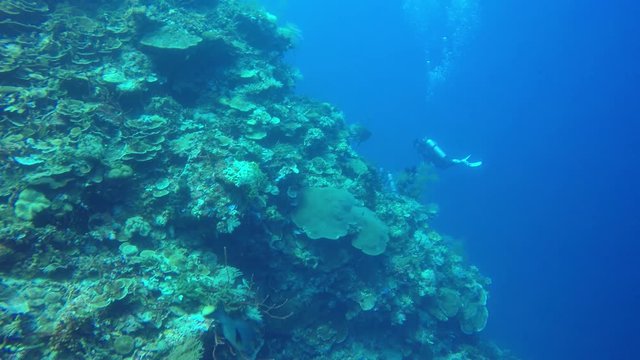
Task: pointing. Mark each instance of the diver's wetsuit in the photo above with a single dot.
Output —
(431, 153)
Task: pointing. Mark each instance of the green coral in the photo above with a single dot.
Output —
(331, 213)
(245, 175)
(171, 38)
(447, 302)
(119, 171)
(30, 203)
(372, 235)
(474, 318)
(124, 344)
(136, 227)
(239, 103)
(324, 213)
(474, 312)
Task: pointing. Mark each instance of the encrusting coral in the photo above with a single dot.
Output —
(165, 193)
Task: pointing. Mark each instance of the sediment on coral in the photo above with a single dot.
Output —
(164, 196)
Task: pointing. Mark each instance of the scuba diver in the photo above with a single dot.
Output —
(432, 153)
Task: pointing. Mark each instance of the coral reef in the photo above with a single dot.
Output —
(166, 195)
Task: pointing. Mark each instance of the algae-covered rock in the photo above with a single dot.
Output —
(30, 203)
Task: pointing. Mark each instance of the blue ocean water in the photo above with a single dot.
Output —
(546, 94)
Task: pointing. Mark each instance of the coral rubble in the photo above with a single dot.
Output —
(166, 195)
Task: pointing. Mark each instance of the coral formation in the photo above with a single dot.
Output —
(329, 213)
(166, 195)
(30, 203)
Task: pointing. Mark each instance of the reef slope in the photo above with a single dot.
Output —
(166, 195)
